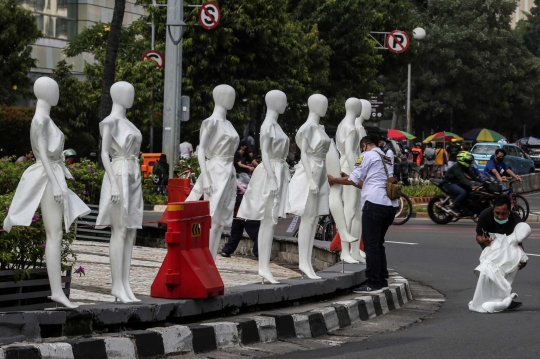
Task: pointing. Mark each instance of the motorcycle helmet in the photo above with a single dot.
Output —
(465, 158)
(70, 152)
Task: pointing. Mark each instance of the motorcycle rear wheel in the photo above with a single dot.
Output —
(438, 215)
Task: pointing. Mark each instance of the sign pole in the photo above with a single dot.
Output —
(409, 98)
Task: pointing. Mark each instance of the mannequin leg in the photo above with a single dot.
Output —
(215, 236)
(52, 214)
(356, 231)
(336, 208)
(116, 253)
(126, 263)
(306, 237)
(265, 238)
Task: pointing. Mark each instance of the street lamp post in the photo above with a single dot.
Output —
(418, 34)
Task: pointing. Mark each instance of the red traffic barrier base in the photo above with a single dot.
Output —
(178, 190)
(188, 270)
(335, 245)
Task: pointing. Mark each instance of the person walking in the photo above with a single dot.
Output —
(417, 158)
(429, 161)
(441, 159)
(378, 210)
(28, 155)
(186, 149)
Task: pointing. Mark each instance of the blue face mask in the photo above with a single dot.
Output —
(500, 221)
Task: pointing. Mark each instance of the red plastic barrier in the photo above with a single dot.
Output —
(188, 270)
(178, 189)
(335, 245)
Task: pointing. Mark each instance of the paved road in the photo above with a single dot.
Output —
(444, 256)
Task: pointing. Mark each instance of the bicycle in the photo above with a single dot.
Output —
(519, 203)
(404, 210)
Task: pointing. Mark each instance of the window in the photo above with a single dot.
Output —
(511, 151)
(485, 150)
(56, 19)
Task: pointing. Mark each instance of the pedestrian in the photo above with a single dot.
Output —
(497, 168)
(378, 211)
(441, 159)
(160, 170)
(498, 219)
(429, 161)
(416, 158)
(186, 149)
(240, 159)
(28, 155)
(453, 149)
(251, 141)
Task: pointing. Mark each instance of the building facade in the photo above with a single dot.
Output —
(523, 5)
(61, 20)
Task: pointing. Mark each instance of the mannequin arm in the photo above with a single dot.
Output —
(272, 182)
(313, 187)
(350, 151)
(201, 154)
(42, 145)
(105, 147)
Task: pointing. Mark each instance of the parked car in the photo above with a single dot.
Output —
(534, 154)
(515, 158)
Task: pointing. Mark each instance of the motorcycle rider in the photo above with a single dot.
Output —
(456, 182)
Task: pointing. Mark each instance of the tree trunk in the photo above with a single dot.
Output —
(109, 67)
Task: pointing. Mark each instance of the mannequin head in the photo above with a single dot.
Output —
(353, 106)
(522, 231)
(318, 104)
(366, 109)
(46, 89)
(123, 93)
(276, 100)
(224, 96)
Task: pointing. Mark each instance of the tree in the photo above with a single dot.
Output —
(18, 30)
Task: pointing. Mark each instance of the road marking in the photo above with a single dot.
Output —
(534, 255)
(430, 299)
(411, 244)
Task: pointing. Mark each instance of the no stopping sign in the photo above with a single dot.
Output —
(397, 41)
(209, 15)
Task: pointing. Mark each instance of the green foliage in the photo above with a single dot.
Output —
(188, 164)
(87, 180)
(421, 191)
(15, 130)
(10, 173)
(149, 192)
(18, 30)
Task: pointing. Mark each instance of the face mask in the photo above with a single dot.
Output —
(500, 221)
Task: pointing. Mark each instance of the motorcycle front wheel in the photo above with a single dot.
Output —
(436, 214)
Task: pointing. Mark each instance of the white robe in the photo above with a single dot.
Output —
(34, 180)
(497, 270)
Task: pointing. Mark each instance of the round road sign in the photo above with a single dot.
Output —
(209, 15)
(397, 41)
(156, 56)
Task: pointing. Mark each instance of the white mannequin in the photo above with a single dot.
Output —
(266, 197)
(218, 143)
(121, 207)
(308, 194)
(44, 182)
(356, 224)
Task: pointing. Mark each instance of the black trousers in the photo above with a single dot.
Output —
(237, 230)
(376, 219)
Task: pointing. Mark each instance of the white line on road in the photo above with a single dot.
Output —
(411, 244)
(534, 255)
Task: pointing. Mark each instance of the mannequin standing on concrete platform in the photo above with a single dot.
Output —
(45, 183)
(218, 143)
(121, 204)
(267, 194)
(308, 191)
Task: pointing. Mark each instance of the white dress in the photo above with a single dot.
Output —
(316, 143)
(34, 180)
(257, 193)
(497, 270)
(221, 145)
(125, 148)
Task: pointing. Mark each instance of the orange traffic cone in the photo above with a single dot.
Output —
(335, 245)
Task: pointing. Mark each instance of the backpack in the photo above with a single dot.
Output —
(431, 157)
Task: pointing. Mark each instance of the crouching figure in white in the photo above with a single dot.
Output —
(267, 194)
(218, 143)
(499, 264)
(121, 203)
(308, 190)
(45, 183)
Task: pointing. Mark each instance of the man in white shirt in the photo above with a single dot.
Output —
(378, 211)
(186, 149)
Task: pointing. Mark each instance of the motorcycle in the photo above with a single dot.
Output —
(478, 199)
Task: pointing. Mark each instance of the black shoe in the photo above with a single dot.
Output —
(365, 289)
(514, 305)
(226, 255)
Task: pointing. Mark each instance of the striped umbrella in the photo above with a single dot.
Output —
(443, 136)
(482, 135)
(400, 135)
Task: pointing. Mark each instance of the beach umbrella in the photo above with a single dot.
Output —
(400, 135)
(443, 136)
(482, 135)
(529, 141)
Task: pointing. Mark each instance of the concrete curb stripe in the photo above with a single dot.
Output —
(408, 289)
(362, 310)
(22, 352)
(88, 348)
(247, 331)
(331, 320)
(54, 351)
(344, 319)
(398, 297)
(284, 324)
(226, 334)
(370, 305)
(377, 305)
(301, 326)
(352, 309)
(389, 300)
(119, 348)
(317, 326)
(383, 302)
(204, 338)
(148, 343)
(2, 356)
(176, 339)
(394, 292)
(267, 328)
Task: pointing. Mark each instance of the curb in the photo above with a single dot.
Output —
(154, 208)
(205, 337)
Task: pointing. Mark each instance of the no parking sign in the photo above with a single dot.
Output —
(397, 41)
(209, 15)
